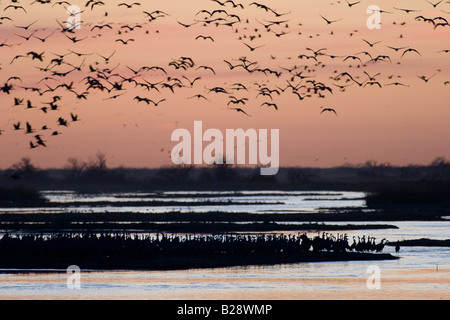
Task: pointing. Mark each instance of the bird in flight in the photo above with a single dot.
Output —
(396, 49)
(109, 57)
(101, 26)
(397, 84)
(330, 21)
(206, 68)
(328, 110)
(352, 4)
(186, 25)
(425, 79)
(191, 82)
(29, 128)
(199, 96)
(241, 110)
(434, 4)
(125, 42)
(252, 48)
(45, 38)
(371, 44)
(27, 26)
(15, 8)
(129, 6)
(410, 50)
(235, 100)
(268, 104)
(204, 38)
(17, 126)
(406, 10)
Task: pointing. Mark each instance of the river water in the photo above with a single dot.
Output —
(420, 273)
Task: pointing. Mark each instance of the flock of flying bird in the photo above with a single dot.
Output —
(76, 72)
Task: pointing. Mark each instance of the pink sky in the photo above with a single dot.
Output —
(401, 125)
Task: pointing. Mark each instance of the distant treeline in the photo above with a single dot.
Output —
(19, 195)
(95, 175)
(423, 193)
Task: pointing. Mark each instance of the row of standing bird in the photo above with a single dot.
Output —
(105, 243)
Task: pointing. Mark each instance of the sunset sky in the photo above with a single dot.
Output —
(397, 124)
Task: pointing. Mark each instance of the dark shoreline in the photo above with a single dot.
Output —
(214, 222)
(186, 263)
(423, 242)
(399, 213)
(172, 251)
(181, 227)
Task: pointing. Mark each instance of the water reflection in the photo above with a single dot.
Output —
(258, 202)
(291, 281)
(420, 273)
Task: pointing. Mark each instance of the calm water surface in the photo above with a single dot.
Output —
(420, 273)
(243, 201)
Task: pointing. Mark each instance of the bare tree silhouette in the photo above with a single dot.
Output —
(298, 176)
(175, 174)
(24, 168)
(75, 168)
